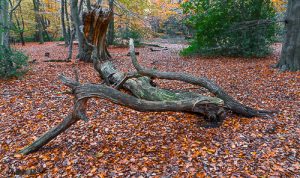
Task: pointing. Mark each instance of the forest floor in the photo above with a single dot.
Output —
(120, 142)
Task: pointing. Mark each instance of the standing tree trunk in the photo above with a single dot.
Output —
(97, 34)
(70, 52)
(45, 23)
(85, 51)
(6, 12)
(21, 27)
(38, 20)
(111, 27)
(290, 55)
(67, 20)
(4, 23)
(145, 97)
(63, 25)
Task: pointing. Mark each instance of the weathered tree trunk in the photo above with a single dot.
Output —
(145, 97)
(3, 21)
(70, 52)
(111, 27)
(45, 24)
(62, 19)
(4, 14)
(96, 32)
(67, 20)
(38, 20)
(21, 27)
(290, 55)
(85, 51)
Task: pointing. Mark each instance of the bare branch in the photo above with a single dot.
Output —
(230, 102)
(15, 7)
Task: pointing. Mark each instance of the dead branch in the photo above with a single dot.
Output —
(230, 102)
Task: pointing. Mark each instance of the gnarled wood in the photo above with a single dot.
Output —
(230, 102)
(145, 97)
(211, 107)
(96, 22)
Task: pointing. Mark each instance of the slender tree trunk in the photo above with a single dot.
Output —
(111, 27)
(70, 52)
(85, 51)
(21, 27)
(4, 23)
(38, 20)
(6, 14)
(63, 25)
(67, 20)
(80, 8)
(44, 23)
(22, 38)
(290, 55)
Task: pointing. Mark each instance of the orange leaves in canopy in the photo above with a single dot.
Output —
(280, 5)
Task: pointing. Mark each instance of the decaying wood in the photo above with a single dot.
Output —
(145, 96)
(230, 102)
(158, 49)
(95, 32)
(202, 105)
(136, 53)
(153, 45)
(84, 50)
(57, 60)
(32, 61)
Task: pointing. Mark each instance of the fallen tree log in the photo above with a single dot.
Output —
(162, 49)
(57, 60)
(145, 96)
(153, 45)
(202, 105)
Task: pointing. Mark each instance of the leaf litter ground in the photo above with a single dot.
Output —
(120, 142)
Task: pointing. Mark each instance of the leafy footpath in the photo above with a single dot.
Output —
(120, 142)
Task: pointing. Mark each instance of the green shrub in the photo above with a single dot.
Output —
(12, 63)
(235, 28)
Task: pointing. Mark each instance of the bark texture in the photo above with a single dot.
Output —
(111, 27)
(63, 24)
(98, 20)
(290, 55)
(20, 26)
(38, 20)
(85, 51)
(4, 15)
(145, 96)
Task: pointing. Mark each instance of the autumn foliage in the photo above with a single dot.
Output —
(120, 142)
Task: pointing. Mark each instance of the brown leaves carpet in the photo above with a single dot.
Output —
(120, 142)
